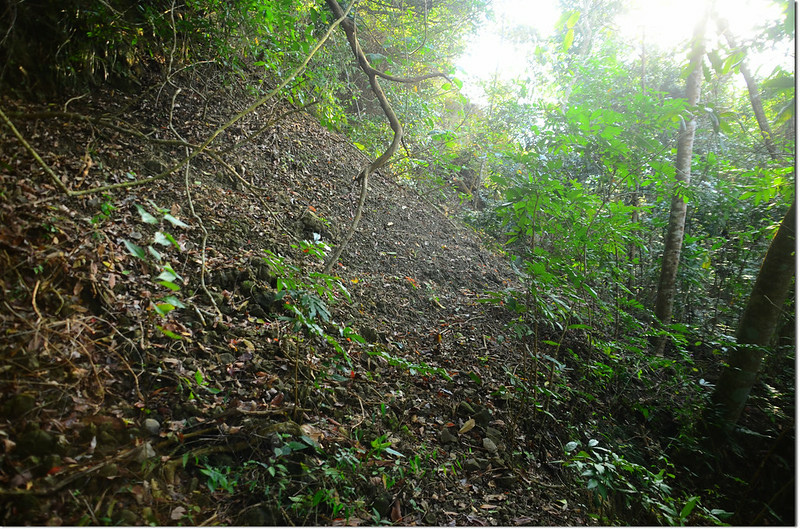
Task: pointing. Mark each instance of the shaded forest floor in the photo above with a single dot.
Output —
(114, 413)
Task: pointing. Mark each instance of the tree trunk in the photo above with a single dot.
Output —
(752, 90)
(757, 325)
(683, 165)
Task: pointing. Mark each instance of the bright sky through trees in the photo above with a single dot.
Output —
(667, 23)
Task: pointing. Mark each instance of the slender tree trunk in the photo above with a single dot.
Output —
(683, 173)
(752, 90)
(757, 325)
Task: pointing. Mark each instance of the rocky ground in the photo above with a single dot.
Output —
(229, 409)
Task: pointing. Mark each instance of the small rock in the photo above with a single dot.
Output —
(266, 300)
(36, 442)
(506, 482)
(110, 470)
(155, 167)
(369, 334)
(152, 426)
(145, 452)
(382, 503)
(446, 437)
(128, 517)
(18, 405)
(226, 358)
(465, 409)
(312, 222)
(489, 445)
(471, 465)
(483, 417)
(494, 434)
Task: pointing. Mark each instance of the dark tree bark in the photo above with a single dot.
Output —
(757, 325)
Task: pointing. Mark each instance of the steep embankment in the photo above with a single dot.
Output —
(118, 409)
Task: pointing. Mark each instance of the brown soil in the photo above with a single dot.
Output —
(85, 370)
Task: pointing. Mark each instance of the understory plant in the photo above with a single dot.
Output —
(619, 487)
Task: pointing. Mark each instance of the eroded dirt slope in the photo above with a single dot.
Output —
(114, 413)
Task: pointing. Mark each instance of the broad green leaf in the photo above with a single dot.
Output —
(165, 239)
(716, 61)
(169, 334)
(733, 61)
(570, 446)
(172, 300)
(166, 275)
(573, 19)
(174, 221)
(475, 377)
(568, 39)
(689, 507)
(168, 268)
(392, 451)
(146, 217)
(198, 377)
(134, 249)
(164, 308)
(779, 82)
(154, 253)
(170, 285)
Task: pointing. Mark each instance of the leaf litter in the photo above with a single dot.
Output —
(120, 386)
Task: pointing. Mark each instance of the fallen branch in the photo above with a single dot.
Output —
(57, 181)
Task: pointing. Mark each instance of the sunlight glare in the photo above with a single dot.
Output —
(666, 23)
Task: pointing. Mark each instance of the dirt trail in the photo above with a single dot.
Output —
(108, 419)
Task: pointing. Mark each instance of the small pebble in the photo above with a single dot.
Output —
(446, 437)
(152, 426)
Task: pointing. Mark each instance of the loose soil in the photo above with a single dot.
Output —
(115, 414)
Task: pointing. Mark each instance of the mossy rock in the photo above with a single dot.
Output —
(18, 405)
(37, 442)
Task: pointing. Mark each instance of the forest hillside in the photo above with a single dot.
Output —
(253, 275)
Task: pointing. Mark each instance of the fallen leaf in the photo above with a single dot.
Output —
(313, 432)
(495, 497)
(278, 400)
(469, 425)
(488, 506)
(177, 513)
(396, 515)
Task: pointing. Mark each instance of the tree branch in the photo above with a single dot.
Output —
(349, 28)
